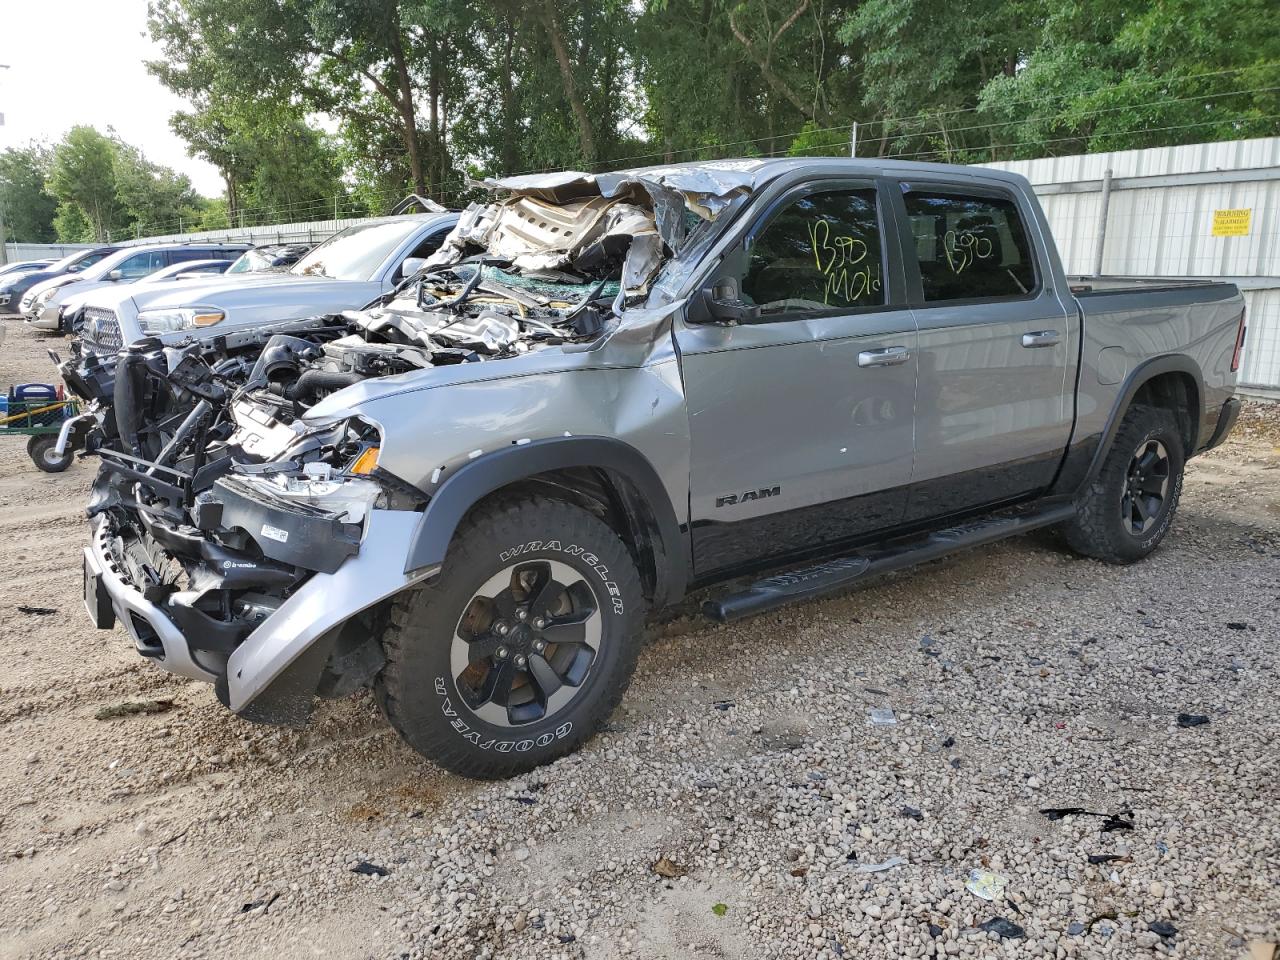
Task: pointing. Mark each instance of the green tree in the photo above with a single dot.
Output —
(156, 199)
(83, 173)
(28, 208)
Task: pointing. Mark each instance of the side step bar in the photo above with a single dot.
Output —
(844, 572)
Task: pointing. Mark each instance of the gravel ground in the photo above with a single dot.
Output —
(743, 764)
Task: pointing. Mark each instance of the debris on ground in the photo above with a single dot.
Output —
(365, 868)
(1192, 719)
(880, 867)
(1002, 928)
(669, 868)
(720, 909)
(881, 717)
(985, 884)
(1120, 820)
(131, 707)
(38, 611)
(1162, 928)
(912, 813)
(1096, 858)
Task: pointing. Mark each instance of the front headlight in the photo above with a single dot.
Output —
(46, 296)
(166, 321)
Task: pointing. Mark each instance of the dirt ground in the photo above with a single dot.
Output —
(192, 833)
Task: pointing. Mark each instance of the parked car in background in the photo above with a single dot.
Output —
(270, 257)
(347, 271)
(69, 312)
(23, 266)
(42, 304)
(14, 287)
(189, 270)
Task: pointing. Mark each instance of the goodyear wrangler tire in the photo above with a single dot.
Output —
(1128, 508)
(518, 651)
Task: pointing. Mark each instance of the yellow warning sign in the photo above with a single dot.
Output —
(1231, 223)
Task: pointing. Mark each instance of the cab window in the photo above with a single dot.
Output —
(820, 253)
(970, 247)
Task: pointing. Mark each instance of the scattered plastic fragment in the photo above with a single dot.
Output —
(878, 693)
(1162, 928)
(913, 813)
(264, 904)
(881, 717)
(1109, 858)
(935, 931)
(669, 868)
(132, 707)
(38, 611)
(879, 867)
(1110, 821)
(527, 801)
(723, 705)
(1075, 928)
(985, 884)
(567, 938)
(719, 909)
(1192, 720)
(1116, 822)
(365, 868)
(948, 743)
(1005, 929)
(1237, 625)
(1161, 847)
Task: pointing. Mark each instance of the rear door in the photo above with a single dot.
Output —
(801, 423)
(993, 403)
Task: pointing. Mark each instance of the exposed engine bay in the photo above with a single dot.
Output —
(219, 502)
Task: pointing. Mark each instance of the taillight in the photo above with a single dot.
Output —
(1235, 357)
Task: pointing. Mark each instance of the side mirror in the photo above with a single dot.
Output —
(411, 266)
(724, 306)
(115, 275)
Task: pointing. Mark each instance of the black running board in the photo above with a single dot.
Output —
(844, 572)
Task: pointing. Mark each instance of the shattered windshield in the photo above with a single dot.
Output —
(566, 288)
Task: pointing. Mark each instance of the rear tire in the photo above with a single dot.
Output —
(521, 647)
(45, 457)
(1129, 506)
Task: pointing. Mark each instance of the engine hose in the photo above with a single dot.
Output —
(313, 380)
(125, 401)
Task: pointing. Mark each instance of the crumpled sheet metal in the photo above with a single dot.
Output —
(549, 220)
(535, 234)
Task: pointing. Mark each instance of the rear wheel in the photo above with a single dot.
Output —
(521, 647)
(46, 457)
(1130, 504)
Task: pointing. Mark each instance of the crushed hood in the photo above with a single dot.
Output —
(579, 221)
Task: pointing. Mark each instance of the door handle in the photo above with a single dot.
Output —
(1042, 338)
(883, 357)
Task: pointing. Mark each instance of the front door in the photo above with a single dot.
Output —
(996, 352)
(801, 423)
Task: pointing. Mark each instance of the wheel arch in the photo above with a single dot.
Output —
(601, 474)
(1173, 382)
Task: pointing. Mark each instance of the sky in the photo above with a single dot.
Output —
(83, 62)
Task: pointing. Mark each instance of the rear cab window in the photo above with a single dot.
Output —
(970, 247)
(819, 253)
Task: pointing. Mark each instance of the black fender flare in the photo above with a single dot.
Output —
(1140, 375)
(478, 478)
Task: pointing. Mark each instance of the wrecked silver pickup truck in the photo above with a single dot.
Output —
(605, 390)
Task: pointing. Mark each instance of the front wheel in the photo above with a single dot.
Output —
(521, 647)
(44, 454)
(1129, 506)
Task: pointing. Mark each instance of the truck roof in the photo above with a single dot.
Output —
(754, 172)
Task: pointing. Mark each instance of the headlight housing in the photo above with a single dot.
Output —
(180, 318)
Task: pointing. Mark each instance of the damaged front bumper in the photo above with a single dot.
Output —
(273, 674)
